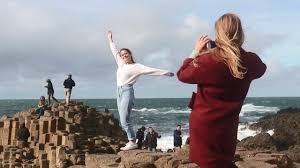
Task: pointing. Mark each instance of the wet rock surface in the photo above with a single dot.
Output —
(286, 137)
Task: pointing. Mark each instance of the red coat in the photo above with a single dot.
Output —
(215, 112)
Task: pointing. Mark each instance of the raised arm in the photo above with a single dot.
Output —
(192, 71)
(154, 71)
(114, 49)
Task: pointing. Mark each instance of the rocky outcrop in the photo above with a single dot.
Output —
(263, 141)
(139, 159)
(60, 138)
(78, 136)
(145, 159)
(262, 159)
(286, 137)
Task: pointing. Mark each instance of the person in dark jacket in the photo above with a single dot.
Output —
(177, 137)
(151, 139)
(140, 134)
(50, 91)
(23, 133)
(69, 84)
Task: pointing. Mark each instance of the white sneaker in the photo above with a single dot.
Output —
(129, 146)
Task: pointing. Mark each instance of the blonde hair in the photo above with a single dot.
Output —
(229, 39)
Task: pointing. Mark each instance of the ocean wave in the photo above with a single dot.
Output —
(164, 110)
(178, 111)
(145, 110)
(166, 141)
(248, 108)
(244, 131)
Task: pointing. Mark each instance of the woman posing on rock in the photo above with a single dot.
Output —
(127, 74)
(223, 76)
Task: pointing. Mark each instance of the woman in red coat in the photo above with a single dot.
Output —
(223, 76)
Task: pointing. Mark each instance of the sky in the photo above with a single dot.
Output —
(53, 38)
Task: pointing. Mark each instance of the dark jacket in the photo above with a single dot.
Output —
(69, 83)
(177, 138)
(140, 136)
(23, 134)
(50, 88)
(151, 140)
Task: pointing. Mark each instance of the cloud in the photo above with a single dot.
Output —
(41, 40)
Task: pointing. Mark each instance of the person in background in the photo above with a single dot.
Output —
(223, 75)
(177, 137)
(42, 105)
(151, 139)
(187, 142)
(23, 133)
(140, 135)
(128, 73)
(50, 91)
(68, 84)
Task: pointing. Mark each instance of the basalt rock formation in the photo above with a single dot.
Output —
(60, 138)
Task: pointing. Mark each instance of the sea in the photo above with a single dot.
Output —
(163, 114)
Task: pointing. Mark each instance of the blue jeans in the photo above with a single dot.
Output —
(40, 112)
(125, 99)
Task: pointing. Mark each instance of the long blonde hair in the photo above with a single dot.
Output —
(229, 39)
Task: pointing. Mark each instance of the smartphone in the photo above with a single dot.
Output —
(211, 45)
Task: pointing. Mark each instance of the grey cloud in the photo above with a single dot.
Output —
(39, 41)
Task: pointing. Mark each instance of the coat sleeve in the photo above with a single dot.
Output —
(257, 67)
(193, 71)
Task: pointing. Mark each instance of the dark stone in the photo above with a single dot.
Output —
(262, 141)
(286, 127)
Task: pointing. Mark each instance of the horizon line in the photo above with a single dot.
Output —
(150, 98)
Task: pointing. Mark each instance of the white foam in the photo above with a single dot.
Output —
(145, 110)
(247, 108)
(271, 132)
(244, 131)
(163, 110)
(166, 142)
(178, 111)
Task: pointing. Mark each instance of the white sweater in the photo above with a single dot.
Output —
(129, 73)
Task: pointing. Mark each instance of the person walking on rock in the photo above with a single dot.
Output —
(50, 91)
(69, 84)
(223, 75)
(127, 74)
